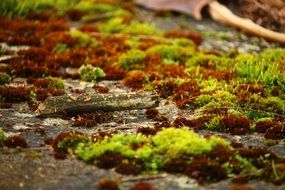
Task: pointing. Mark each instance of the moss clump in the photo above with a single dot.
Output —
(214, 123)
(60, 48)
(2, 136)
(55, 82)
(171, 52)
(209, 61)
(4, 78)
(90, 73)
(153, 151)
(220, 98)
(84, 39)
(117, 25)
(72, 141)
(133, 59)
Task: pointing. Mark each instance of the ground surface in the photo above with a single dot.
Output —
(36, 168)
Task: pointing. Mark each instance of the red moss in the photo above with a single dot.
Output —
(147, 130)
(135, 79)
(196, 124)
(151, 113)
(172, 71)
(219, 75)
(276, 132)
(142, 186)
(15, 141)
(4, 105)
(204, 169)
(107, 184)
(109, 160)
(92, 119)
(196, 38)
(128, 169)
(176, 166)
(221, 154)
(15, 94)
(263, 126)
(74, 14)
(255, 154)
(114, 73)
(166, 89)
(43, 93)
(239, 187)
(100, 89)
(236, 125)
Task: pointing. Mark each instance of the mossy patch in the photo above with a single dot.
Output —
(90, 73)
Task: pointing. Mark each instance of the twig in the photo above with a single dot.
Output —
(222, 14)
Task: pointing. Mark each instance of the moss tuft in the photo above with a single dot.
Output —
(90, 73)
(133, 59)
(4, 78)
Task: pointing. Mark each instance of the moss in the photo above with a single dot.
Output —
(138, 28)
(209, 61)
(55, 82)
(90, 73)
(4, 78)
(220, 98)
(83, 39)
(171, 52)
(154, 151)
(72, 141)
(214, 123)
(133, 59)
(211, 85)
(113, 25)
(2, 136)
(256, 68)
(61, 48)
(89, 7)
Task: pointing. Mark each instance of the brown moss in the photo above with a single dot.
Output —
(100, 89)
(142, 186)
(92, 119)
(43, 93)
(151, 113)
(147, 130)
(196, 38)
(204, 169)
(107, 184)
(176, 166)
(236, 125)
(114, 73)
(263, 126)
(4, 105)
(166, 89)
(135, 79)
(14, 94)
(15, 141)
(276, 132)
(74, 14)
(128, 169)
(219, 75)
(109, 160)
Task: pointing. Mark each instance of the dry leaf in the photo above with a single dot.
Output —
(192, 7)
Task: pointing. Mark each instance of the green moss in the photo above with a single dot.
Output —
(117, 25)
(220, 98)
(92, 7)
(274, 55)
(214, 123)
(72, 141)
(139, 28)
(113, 25)
(133, 59)
(156, 150)
(4, 78)
(60, 48)
(256, 68)
(2, 136)
(83, 39)
(171, 52)
(90, 73)
(211, 85)
(217, 62)
(55, 82)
